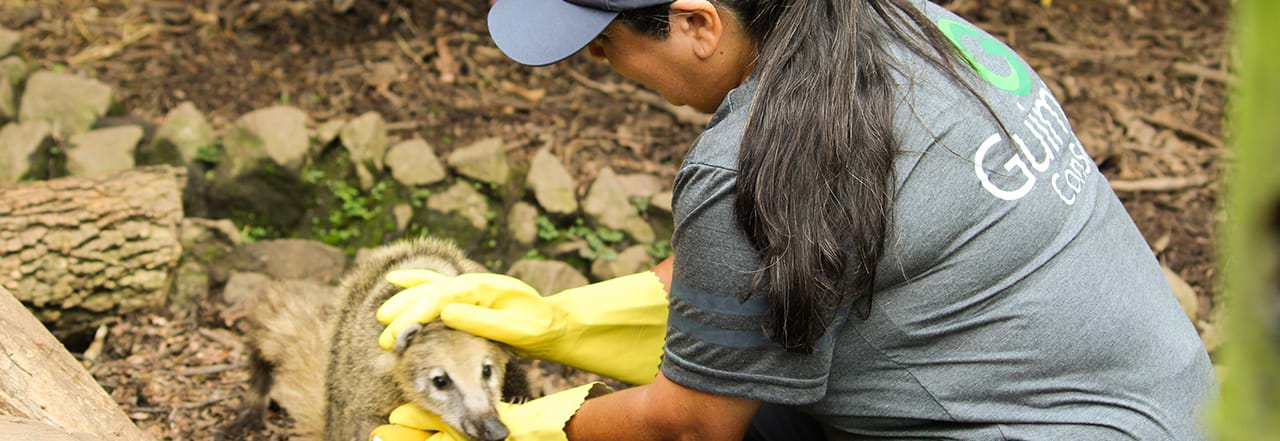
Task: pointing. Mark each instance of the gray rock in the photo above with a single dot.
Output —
(70, 104)
(184, 131)
(328, 131)
(484, 161)
(24, 150)
(103, 152)
(365, 139)
(8, 40)
(13, 70)
(522, 222)
(547, 276)
(362, 256)
(212, 244)
(551, 184)
(662, 201)
(464, 201)
(293, 259)
(259, 164)
(278, 133)
(403, 214)
(607, 204)
(8, 106)
(630, 261)
(414, 162)
(190, 287)
(641, 185)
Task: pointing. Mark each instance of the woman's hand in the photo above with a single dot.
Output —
(543, 419)
(428, 294)
(614, 328)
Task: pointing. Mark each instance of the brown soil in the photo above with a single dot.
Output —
(1142, 80)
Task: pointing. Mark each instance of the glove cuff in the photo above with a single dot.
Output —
(619, 327)
(544, 419)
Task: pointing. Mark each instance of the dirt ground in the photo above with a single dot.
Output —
(1142, 81)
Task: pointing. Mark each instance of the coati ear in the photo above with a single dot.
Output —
(402, 340)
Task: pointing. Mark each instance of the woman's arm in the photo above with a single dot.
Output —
(662, 410)
(663, 270)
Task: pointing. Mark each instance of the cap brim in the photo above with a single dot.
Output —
(542, 32)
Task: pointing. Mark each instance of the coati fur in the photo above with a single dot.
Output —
(318, 357)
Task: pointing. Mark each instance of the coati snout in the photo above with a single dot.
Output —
(462, 384)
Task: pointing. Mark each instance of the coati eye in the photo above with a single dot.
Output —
(440, 381)
(486, 371)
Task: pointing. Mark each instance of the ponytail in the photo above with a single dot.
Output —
(815, 165)
(821, 127)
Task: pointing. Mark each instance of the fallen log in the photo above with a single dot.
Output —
(31, 430)
(41, 381)
(79, 249)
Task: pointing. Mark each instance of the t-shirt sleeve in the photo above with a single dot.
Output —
(716, 342)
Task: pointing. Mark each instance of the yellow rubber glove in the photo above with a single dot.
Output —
(614, 328)
(542, 419)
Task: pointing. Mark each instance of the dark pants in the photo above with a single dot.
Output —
(779, 423)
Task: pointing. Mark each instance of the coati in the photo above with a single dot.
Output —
(317, 356)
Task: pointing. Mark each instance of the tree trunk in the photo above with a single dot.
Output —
(41, 381)
(77, 249)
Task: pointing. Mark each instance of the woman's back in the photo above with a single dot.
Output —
(1015, 299)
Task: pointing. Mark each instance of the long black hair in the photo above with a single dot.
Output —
(822, 124)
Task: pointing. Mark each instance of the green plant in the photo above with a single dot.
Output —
(1248, 408)
(546, 230)
(641, 203)
(354, 211)
(254, 233)
(599, 240)
(418, 197)
(660, 249)
(209, 154)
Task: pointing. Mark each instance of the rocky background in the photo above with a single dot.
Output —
(299, 133)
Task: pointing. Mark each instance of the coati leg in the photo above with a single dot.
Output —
(253, 408)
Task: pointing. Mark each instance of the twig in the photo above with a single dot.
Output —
(201, 404)
(408, 52)
(174, 409)
(1207, 73)
(99, 343)
(209, 370)
(1083, 53)
(1160, 184)
(1184, 129)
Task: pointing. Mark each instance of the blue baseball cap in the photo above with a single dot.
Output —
(542, 32)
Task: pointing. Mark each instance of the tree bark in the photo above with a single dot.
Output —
(76, 249)
(41, 381)
(31, 430)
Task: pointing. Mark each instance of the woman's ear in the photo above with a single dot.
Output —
(698, 21)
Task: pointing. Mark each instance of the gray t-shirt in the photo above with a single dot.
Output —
(1016, 299)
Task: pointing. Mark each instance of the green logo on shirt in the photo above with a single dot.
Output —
(1017, 81)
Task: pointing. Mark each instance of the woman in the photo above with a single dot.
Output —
(887, 231)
